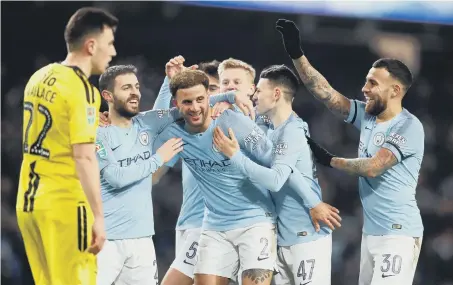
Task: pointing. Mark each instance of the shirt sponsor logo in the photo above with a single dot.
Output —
(135, 159)
(208, 165)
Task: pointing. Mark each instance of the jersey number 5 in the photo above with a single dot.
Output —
(36, 148)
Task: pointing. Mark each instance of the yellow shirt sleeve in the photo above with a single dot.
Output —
(83, 112)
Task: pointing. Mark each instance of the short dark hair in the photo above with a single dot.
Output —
(107, 79)
(397, 70)
(283, 76)
(187, 79)
(210, 68)
(85, 21)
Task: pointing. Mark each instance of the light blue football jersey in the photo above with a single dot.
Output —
(281, 169)
(389, 205)
(231, 200)
(293, 215)
(126, 165)
(192, 207)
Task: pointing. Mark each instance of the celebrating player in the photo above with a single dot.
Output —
(211, 69)
(390, 155)
(59, 208)
(302, 248)
(238, 226)
(188, 226)
(126, 165)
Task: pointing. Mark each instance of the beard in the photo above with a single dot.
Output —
(196, 121)
(375, 107)
(123, 111)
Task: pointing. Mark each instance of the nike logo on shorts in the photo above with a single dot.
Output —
(389, 275)
(262, 258)
(188, 263)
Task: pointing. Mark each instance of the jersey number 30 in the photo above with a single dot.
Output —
(36, 148)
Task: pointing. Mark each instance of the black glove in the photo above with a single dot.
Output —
(322, 156)
(291, 38)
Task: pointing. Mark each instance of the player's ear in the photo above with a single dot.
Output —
(90, 45)
(396, 90)
(252, 89)
(277, 93)
(107, 95)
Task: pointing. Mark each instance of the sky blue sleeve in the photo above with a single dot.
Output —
(158, 142)
(222, 97)
(283, 157)
(405, 138)
(157, 120)
(163, 100)
(117, 176)
(356, 113)
(104, 153)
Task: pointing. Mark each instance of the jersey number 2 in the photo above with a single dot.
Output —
(36, 148)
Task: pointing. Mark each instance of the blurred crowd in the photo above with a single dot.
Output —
(430, 99)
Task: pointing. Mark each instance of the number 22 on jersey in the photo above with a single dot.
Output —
(39, 119)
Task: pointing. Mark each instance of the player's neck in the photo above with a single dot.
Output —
(82, 62)
(280, 114)
(119, 121)
(389, 113)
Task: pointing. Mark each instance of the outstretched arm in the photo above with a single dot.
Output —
(320, 88)
(312, 79)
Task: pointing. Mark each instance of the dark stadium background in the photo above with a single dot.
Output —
(342, 49)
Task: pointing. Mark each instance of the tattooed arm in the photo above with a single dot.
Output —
(321, 89)
(374, 166)
(256, 276)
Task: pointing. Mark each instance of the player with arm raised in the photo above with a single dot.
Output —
(59, 207)
(238, 227)
(190, 219)
(188, 226)
(304, 253)
(390, 152)
(126, 166)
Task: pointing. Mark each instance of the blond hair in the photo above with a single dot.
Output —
(236, 63)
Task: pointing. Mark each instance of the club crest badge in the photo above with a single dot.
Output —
(379, 139)
(144, 138)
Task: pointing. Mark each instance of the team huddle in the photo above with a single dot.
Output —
(252, 210)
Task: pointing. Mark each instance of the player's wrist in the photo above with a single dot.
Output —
(314, 205)
(235, 157)
(159, 159)
(295, 51)
(98, 216)
(334, 161)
